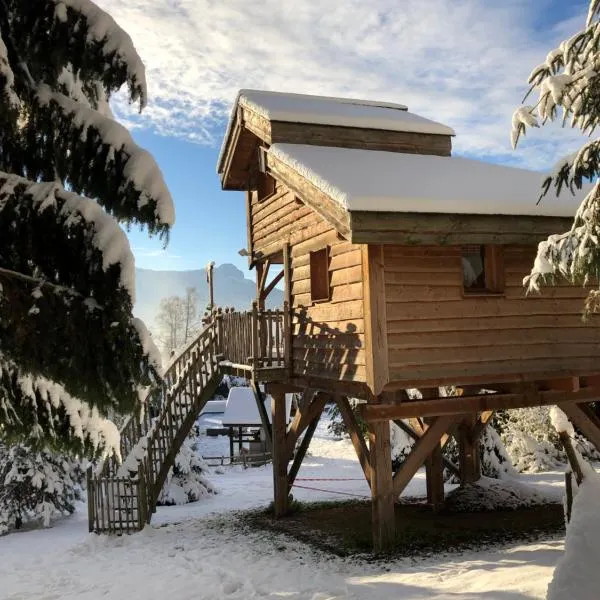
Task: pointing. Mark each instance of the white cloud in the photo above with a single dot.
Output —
(462, 62)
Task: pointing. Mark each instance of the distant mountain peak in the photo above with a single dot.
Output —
(232, 288)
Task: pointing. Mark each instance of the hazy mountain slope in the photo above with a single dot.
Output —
(231, 289)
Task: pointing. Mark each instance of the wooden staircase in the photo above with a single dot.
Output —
(122, 496)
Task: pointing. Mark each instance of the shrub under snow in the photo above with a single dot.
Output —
(186, 481)
(576, 573)
(36, 486)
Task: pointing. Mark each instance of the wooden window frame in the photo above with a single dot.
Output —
(320, 279)
(493, 269)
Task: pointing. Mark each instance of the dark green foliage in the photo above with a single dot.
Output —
(66, 270)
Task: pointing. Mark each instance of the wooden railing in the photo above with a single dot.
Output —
(256, 338)
(122, 497)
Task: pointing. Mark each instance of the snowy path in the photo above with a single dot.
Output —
(191, 552)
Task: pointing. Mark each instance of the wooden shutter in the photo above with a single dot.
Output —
(319, 275)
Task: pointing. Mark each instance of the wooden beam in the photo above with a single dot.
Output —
(488, 381)
(304, 416)
(572, 457)
(358, 441)
(272, 285)
(383, 518)
(362, 138)
(585, 419)
(450, 229)
(301, 453)
(417, 433)
(375, 318)
(262, 411)
(262, 271)
(280, 456)
(468, 450)
(473, 404)
(421, 451)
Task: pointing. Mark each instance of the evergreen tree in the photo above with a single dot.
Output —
(568, 87)
(186, 480)
(70, 349)
(36, 486)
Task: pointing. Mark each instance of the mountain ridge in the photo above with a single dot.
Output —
(231, 288)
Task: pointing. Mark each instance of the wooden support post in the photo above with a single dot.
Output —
(571, 456)
(382, 489)
(434, 470)
(468, 449)
(280, 455)
(264, 417)
(568, 495)
(434, 476)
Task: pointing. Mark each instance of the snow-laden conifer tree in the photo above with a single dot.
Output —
(567, 87)
(70, 349)
(36, 486)
(187, 479)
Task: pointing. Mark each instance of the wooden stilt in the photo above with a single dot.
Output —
(434, 475)
(434, 469)
(382, 489)
(468, 448)
(262, 411)
(280, 454)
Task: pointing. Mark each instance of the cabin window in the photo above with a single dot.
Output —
(483, 269)
(319, 275)
(266, 186)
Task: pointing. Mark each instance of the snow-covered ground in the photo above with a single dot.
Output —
(193, 551)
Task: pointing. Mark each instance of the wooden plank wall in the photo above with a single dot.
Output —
(434, 332)
(328, 337)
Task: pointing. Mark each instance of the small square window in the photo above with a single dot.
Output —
(483, 269)
(319, 275)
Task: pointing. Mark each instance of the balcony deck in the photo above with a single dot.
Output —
(255, 344)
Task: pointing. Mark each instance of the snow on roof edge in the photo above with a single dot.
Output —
(356, 179)
(319, 182)
(243, 95)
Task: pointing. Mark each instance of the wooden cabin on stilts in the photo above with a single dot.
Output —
(403, 268)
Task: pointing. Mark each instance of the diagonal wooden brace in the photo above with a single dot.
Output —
(358, 441)
(421, 450)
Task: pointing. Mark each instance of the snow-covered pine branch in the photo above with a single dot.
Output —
(48, 408)
(66, 269)
(51, 34)
(567, 85)
(124, 177)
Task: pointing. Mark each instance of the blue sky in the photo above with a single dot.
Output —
(461, 62)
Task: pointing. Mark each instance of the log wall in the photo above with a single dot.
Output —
(328, 337)
(436, 333)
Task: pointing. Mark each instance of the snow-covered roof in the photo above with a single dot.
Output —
(241, 407)
(368, 180)
(342, 112)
